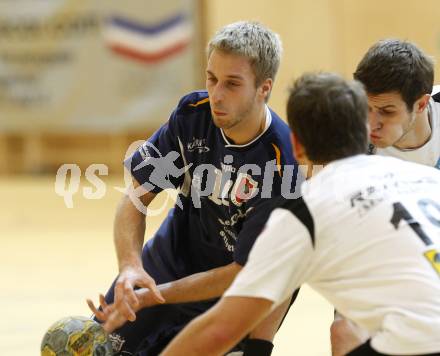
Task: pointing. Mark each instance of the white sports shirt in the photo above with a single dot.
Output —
(365, 235)
(429, 153)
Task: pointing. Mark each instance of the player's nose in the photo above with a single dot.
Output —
(217, 94)
(374, 120)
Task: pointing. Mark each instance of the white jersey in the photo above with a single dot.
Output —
(429, 153)
(365, 235)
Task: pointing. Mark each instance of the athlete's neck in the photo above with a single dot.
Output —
(248, 128)
(419, 134)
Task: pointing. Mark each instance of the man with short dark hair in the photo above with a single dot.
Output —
(404, 118)
(404, 108)
(365, 234)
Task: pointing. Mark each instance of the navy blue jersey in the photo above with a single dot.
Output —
(254, 225)
(217, 190)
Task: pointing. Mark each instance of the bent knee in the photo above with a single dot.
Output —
(340, 330)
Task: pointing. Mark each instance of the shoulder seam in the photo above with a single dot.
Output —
(299, 209)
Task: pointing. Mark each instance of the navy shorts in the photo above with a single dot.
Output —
(366, 350)
(156, 326)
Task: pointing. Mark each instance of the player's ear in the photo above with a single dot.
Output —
(421, 103)
(265, 88)
(305, 166)
(298, 150)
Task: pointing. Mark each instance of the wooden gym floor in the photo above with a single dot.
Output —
(53, 258)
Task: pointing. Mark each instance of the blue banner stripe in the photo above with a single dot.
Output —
(147, 30)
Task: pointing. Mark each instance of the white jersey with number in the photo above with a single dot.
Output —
(429, 153)
(365, 235)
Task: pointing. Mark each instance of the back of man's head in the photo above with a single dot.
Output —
(328, 116)
(396, 66)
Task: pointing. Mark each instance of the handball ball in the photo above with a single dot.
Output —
(76, 336)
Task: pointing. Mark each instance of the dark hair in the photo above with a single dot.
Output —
(396, 66)
(328, 116)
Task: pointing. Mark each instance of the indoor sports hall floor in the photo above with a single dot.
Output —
(53, 258)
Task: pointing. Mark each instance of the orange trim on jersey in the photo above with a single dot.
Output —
(199, 102)
(278, 157)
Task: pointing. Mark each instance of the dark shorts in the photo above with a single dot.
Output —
(154, 327)
(367, 350)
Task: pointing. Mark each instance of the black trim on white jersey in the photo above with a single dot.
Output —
(436, 97)
(299, 208)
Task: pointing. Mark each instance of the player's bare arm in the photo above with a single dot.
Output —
(129, 231)
(197, 287)
(200, 286)
(203, 336)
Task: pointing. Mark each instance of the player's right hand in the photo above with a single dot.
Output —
(107, 314)
(126, 300)
(105, 310)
